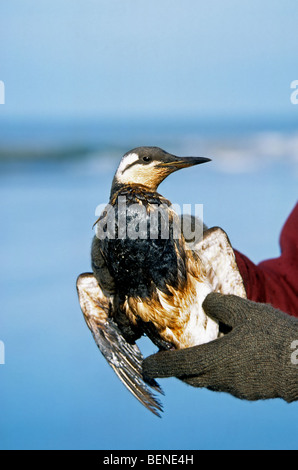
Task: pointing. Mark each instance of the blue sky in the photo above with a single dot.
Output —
(87, 58)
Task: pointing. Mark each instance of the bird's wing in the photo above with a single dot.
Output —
(125, 359)
(217, 255)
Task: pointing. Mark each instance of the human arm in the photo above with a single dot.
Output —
(275, 281)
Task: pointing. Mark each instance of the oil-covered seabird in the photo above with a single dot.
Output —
(151, 285)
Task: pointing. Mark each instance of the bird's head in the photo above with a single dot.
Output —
(149, 166)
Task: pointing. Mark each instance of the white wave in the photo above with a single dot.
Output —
(252, 152)
(235, 155)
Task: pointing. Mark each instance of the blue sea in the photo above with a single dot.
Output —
(56, 390)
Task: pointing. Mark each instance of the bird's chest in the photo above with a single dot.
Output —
(142, 254)
(151, 268)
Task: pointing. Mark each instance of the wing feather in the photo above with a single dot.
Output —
(125, 358)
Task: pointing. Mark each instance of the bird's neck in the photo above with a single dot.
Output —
(118, 187)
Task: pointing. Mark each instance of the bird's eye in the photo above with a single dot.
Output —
(146, 159)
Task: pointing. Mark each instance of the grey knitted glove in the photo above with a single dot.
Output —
(255, 360)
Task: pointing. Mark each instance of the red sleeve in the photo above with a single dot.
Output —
(275, 281)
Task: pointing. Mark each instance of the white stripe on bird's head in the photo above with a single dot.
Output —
(126, 161)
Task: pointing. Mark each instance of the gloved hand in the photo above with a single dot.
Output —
(255, 360)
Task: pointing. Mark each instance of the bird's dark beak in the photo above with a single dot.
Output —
(174, 163)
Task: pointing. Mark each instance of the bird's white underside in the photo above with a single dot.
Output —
(218, 259)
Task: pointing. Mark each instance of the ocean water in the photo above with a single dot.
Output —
(56, 390)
